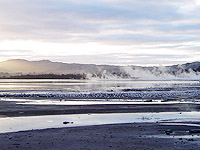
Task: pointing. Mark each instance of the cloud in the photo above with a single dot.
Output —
(140, 25)
(66, 20)
(16, 54)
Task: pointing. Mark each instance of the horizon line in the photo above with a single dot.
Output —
(158, 65)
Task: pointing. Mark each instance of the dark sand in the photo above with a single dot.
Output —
(116, 136)
(121, 136)
(11, 109)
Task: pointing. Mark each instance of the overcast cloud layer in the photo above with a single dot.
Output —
(122, 32)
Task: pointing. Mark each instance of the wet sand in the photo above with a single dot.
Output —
(116, 136)
(11, 109)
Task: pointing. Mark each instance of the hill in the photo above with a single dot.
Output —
(17, 67)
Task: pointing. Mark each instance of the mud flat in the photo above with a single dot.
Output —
(115, 136)
(141, 135)
(13, 109)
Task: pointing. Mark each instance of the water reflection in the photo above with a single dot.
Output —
(75, 86)
(13, 124)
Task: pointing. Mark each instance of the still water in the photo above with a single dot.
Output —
(85, 86)
(14, 124)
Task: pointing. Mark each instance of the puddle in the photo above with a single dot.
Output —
(175, 136)
(182, 124)
(87, 102)
(13, 124)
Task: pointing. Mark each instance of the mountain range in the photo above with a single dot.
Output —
(23, 67)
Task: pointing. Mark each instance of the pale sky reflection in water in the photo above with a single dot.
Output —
(13, 124)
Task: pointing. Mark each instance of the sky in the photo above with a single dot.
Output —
(115, 32)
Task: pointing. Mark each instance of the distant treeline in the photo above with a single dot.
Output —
(47, 76)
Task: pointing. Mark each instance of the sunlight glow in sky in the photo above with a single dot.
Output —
(119, 32)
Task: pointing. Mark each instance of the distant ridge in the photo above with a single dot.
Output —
(22, 67)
